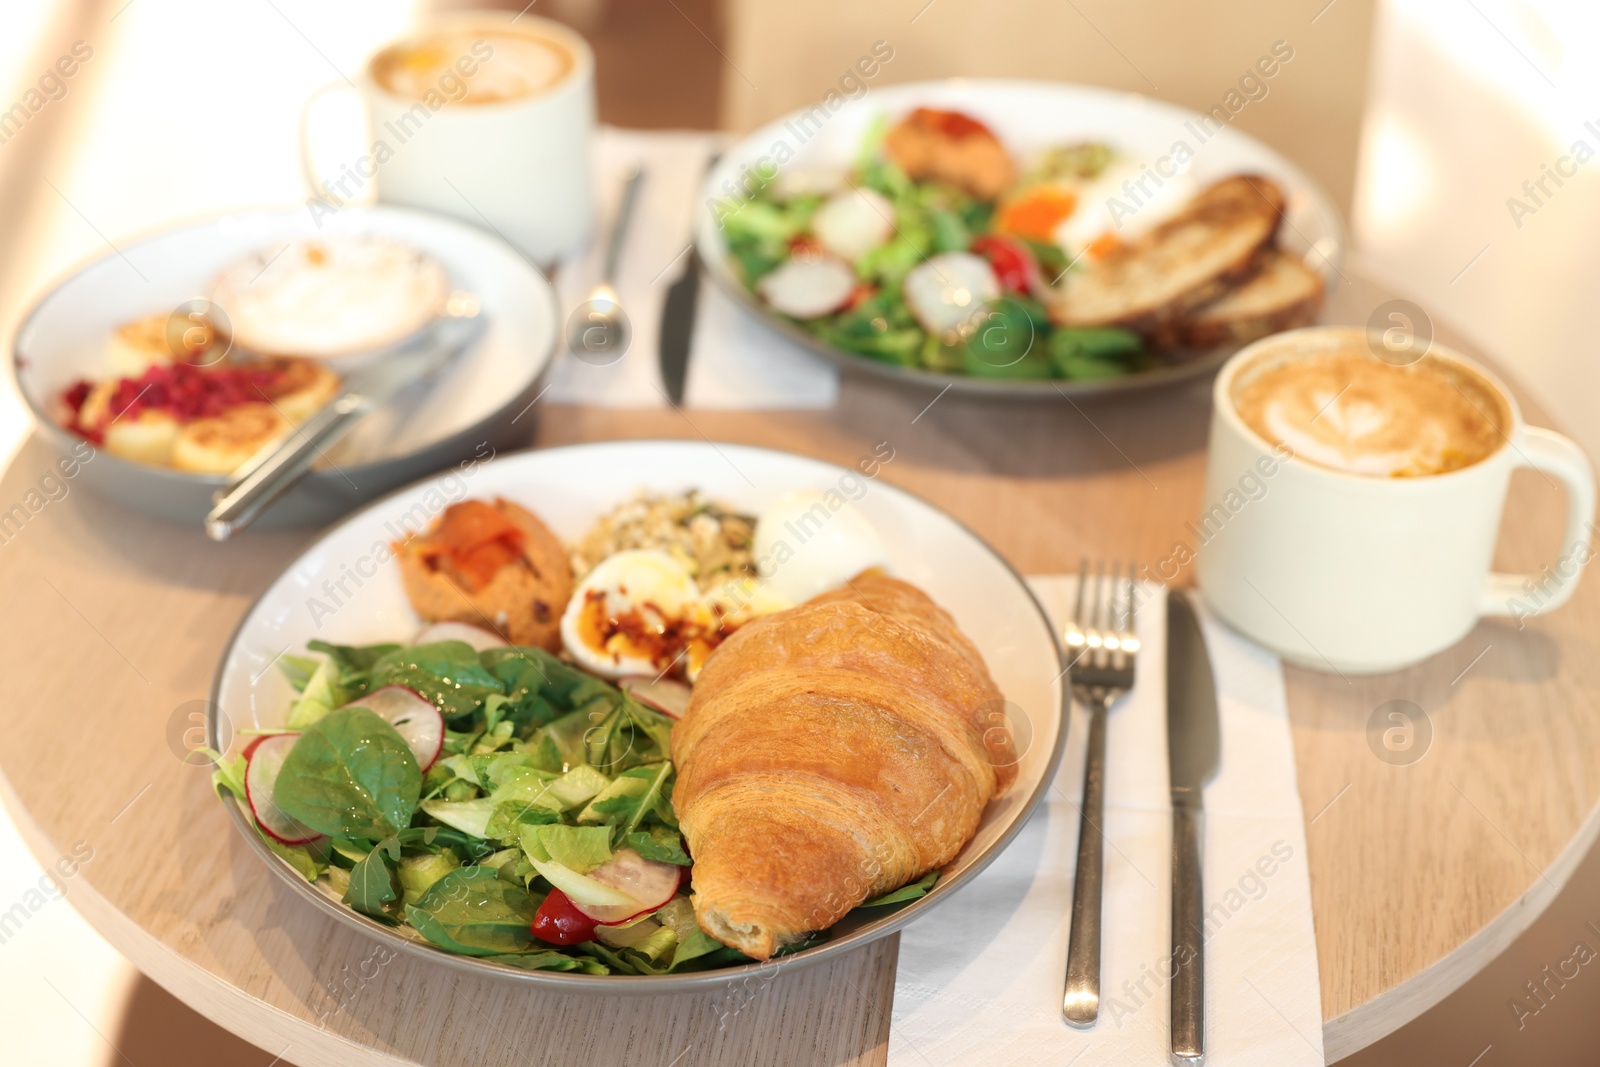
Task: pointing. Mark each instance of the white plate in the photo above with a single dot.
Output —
(64, 339)
(569, 488)
(1027, 117)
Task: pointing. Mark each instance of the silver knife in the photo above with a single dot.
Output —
(1194, 750)
(677, 323)
(270, 473)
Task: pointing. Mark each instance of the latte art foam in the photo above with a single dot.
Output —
(473, 66)
(1351, 412)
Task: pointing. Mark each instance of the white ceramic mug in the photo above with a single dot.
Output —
(1358, 574)
(519, 167)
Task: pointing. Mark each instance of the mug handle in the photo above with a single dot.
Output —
(1523, 595)
(312, 179)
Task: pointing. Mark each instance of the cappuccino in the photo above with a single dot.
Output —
(473, 66)
(1344, 409)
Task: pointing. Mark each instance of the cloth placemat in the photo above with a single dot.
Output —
(735, 360)
(980, 979)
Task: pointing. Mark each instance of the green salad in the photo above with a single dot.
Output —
(499, 803)
(924, 274)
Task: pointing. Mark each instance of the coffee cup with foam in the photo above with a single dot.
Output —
(1353, 503)
(486, 116)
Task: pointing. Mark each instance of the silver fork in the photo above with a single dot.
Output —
(1101, 646)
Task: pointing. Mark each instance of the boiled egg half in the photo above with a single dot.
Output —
(811, 541)
(638, 612)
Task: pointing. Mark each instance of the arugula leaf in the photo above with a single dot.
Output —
(916, 889)
(375, 887)
(474, 912)
(635, 795)
(350, 775)
(582, 848)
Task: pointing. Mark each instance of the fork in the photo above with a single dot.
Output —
(1102, 647)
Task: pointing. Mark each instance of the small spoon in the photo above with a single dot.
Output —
(599, 331)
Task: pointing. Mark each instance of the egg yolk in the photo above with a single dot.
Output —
(1036, 215)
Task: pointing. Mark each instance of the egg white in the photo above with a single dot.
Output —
(808, 547)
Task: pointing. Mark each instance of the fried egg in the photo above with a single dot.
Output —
(1126, 199)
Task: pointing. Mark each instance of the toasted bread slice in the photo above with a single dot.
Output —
(1282, 294)
(221, 444)
(1186, 261)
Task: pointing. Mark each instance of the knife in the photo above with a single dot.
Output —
(677, 323)
(1194, 750)
(270, 473)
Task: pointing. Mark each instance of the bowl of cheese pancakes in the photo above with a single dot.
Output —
(248, 324)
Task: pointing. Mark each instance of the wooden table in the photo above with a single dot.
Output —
(1420, 874)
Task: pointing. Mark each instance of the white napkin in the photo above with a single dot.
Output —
(735, 361)
(980, 979)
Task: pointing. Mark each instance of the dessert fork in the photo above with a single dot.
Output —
(1101, 647)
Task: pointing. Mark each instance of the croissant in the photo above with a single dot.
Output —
(832, 753)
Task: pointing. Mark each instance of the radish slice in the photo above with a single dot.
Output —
(650, 883)
(853, 222)
(947, 293)
(479, 637)
(413, 717)
(264, 759)
(666, 695)
(808, 288)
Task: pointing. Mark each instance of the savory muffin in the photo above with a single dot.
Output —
(951, 147)
(493, 565)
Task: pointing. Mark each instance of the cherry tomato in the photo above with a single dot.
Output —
(559, 922)
(1012, 263)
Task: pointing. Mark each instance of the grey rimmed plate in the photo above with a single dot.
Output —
(1027, 117)
(470, 405)
(569, 488)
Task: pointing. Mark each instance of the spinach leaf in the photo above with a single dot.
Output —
(473, 912)
(659, 843)
(350, 775)
(447, 673)
(375, 886)
(354, 663)
(916, 889)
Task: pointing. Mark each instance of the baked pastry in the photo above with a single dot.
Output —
(831, 753)
(493, 565)
(951, 147)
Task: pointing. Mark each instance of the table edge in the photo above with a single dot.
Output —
(1415, 995)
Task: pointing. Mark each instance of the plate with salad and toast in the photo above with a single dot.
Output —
(638, 715)
(1013, 238)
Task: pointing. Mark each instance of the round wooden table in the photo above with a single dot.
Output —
(1420, 874)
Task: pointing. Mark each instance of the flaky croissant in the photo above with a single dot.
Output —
(832, 753)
